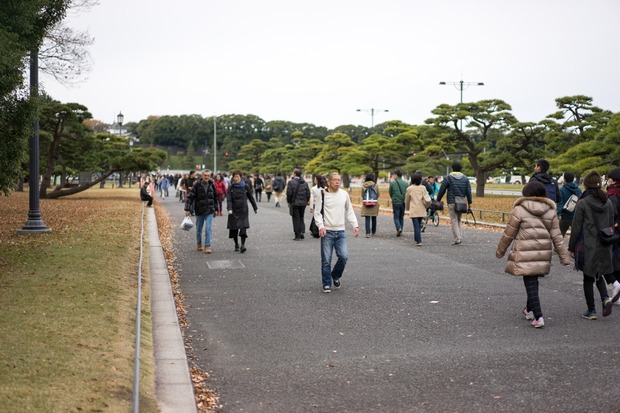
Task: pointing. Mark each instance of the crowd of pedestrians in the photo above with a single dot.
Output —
(538, 223)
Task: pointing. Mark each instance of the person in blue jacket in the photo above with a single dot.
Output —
(569, 188)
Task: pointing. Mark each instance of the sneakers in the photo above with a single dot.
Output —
(337, 283)
(199, 247)
(529, 315)
(418, 244)
(607, 307)
(589, 315)
(457, 241)
(327, 289)
(615, 294)
(538, 323)
(243, 249)
(207, 250)
(399, 232)
(236, 248)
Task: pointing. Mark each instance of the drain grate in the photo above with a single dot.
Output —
(225, 264)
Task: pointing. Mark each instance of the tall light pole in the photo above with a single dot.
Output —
(214, 145)
(119, 119)
(372, 114)
(460, 85)
(34, 224)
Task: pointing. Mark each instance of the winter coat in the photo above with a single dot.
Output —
(144, 194)
(591, 214)
(301, 195)
(546, 179)
(398, 189)
(204, 198)
(370, 211)
(414, 201)
(568, 189)
(534, 227)
(613, 194)
(220, 189)
(278, 184)
(268, 187)
(237, 199)
(456, 184)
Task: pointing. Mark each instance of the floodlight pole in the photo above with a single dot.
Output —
(372, 114)
(460, 85)
(34, 224)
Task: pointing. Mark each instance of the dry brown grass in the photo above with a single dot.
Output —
(68, 302)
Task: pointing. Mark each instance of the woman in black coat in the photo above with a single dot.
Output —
(593, 212)
(239, 192)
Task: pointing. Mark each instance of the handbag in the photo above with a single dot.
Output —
(460, 204)
(187, 224)
(314, 229)
(426, 200)
(609, 235)
(436, 205)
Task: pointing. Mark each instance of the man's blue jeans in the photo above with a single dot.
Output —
(200, 221)
(333, 240)
(399, 216)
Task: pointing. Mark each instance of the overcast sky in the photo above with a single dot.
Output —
(319, 61)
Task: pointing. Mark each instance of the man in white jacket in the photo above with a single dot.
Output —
(336, 209)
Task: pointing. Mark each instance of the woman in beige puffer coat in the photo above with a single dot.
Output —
(535, 229)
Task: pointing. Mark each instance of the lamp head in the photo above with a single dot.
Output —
(120, 118)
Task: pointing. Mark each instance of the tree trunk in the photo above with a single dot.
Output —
(65, 192)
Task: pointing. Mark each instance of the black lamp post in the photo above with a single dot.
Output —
(119, 120)
(34, 224)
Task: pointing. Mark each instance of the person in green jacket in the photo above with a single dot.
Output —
(398, 190)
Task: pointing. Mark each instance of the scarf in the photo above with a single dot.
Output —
(614, 189)
(240, 184)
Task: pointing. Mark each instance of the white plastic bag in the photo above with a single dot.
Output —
(187, 224)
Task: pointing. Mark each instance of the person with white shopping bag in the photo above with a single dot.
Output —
(203, 197)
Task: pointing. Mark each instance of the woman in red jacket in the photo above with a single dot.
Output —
(220, 188)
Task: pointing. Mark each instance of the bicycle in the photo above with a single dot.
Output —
(431, 214)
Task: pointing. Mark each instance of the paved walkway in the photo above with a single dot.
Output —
(430, 329)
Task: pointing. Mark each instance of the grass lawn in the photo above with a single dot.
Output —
(68, 301)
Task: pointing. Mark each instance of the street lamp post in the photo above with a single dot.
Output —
(34, 224)
(460, 85)
(119, 119)
(372, 114)
(214, 145)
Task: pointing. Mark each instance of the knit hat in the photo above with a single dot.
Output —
(592, 180)
(614, 174)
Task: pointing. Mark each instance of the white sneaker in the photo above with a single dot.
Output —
(538, 323)
(615, 294)
(529, 315)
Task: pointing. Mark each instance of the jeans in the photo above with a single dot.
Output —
(333, 240)
(371, 225)
(200, 221)
(417, 230)
(399, 216)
